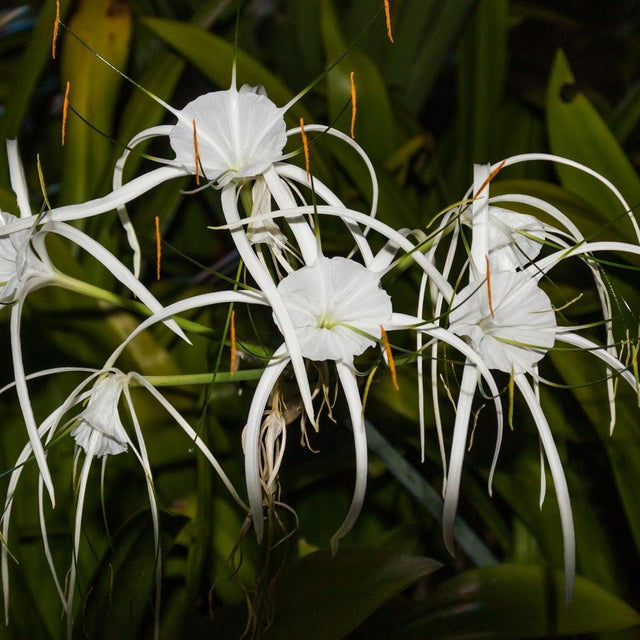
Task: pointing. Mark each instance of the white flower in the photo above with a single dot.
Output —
(99, 433)
(508, 318)
(20, 267)
(240, 134)
(510, 323)
(100, 430)
(337, 308)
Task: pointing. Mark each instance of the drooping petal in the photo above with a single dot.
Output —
(24, 400)
(458, 447)
(270, 292)
(193, 436)
(349, 384)
(117, 269)
(559, 481)
(259, 401)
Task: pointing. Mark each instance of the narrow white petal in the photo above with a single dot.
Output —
(193, 436)
(479, 221)
(301, 229)
(349, 384)
(271, 293)
(559, 481)
(25, 402)
(458, 447)
(18, 181)
(194, 302)
(117, 269)
(252, 435)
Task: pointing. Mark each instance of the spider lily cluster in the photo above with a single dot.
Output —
(483, 291)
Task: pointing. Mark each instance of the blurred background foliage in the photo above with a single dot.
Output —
(465, 81)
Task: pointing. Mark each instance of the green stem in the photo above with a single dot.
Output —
(97, 293)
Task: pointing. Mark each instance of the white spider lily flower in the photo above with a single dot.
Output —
(98, 433)
(329, 300)
(507, 317)
(25, 266)
(511, 325)
(337, 308)
(240, 134)
(99, 427)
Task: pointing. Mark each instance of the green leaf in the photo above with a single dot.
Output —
(626, 116)
(93, 92)
(324, 598)
(577, 131)
(122, 591)
(427, 496)
(435, 45)
(513, 601)
(213, 56)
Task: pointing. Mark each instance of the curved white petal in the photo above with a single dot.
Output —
(301, 229)
(195, 302)
(252, 435)
(270, 292)
(458, 446)
(25, 402)
(349, 214)
(322, 191)
(193, 436)
(350, 387)
(559, 481)
(110, 202)
(117, 269)
(18, 181)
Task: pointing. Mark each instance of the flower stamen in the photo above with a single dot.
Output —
(56, 26)
(387, 16)
(65, 109)
(196, 152)
(488, 179)
(493, 315)
(354, 107)
(158, 248)
(305, 147)
(234, 352)
(392, 364)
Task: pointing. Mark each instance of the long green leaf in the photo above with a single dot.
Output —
(324, 598)
(577, 131)
(94, 89)
(513, 601)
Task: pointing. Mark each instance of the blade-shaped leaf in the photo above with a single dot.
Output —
(577, 131)
(324, 598)
(516, 601)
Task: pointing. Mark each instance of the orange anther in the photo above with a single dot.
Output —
(56, 25)
(387, 15)
(196, 153)
(392, 364)
(65, 108)
(354, 106)
(305, 146)
(233, 365)
(158, 248)
(493, 315)
(489, 178)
